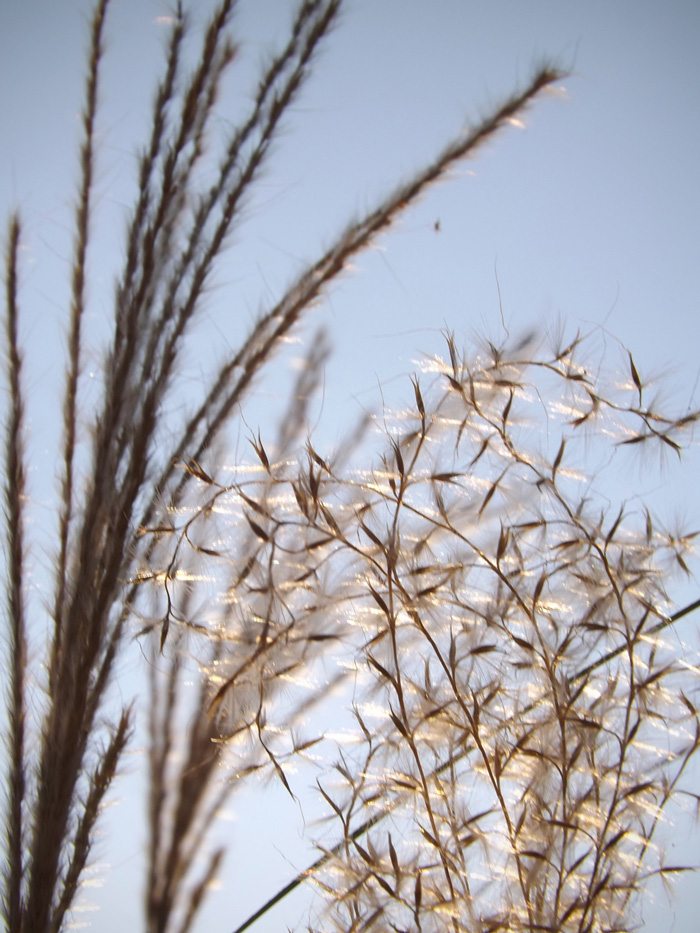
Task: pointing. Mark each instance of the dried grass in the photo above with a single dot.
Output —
(523, 723)
(510, 633)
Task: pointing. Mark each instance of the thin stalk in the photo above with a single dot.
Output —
(227, 391)
(79, 269)
(13, 875)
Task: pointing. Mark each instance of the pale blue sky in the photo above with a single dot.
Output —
(590, 214)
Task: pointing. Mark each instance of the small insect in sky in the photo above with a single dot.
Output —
(436, 226)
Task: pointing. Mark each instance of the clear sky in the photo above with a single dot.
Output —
(590, 215)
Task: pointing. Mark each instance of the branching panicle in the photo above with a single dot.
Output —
(477, 586)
